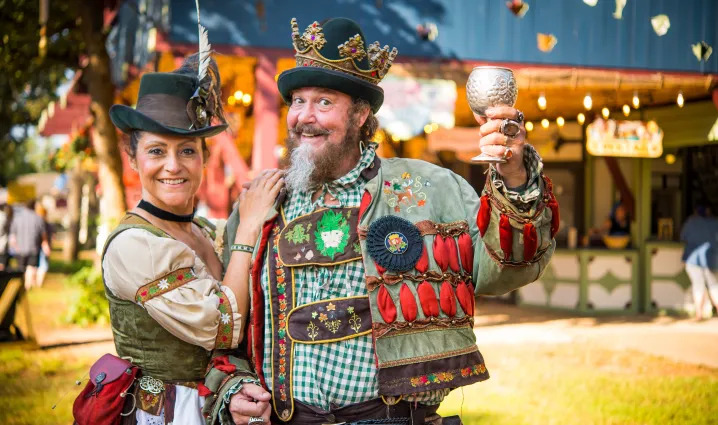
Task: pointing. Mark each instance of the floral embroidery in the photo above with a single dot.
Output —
(226, 326)
(354, 320)
(405, 192)
(332, 234)
(165, 284)
(331, 307)
(282, 317)
(432, 378)
(474, 370)
(298, 234)
(312, 330)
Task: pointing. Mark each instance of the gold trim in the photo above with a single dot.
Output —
(324, 341)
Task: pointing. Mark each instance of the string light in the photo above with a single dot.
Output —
(238, 95)
(542, 102)
(581, 118)
(636, 101)
(544, 123)
(231, 100)
(246, 99)
(679, 99)
(560, 121)
(670, 159)
(605, 112)
(588, 102)
(626, 110)
(529, 126)
(428, 129)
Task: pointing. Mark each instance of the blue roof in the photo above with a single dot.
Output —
(483, 30)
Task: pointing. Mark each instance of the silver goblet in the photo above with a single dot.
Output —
(490, 86)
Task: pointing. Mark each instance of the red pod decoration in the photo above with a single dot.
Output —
(440, 253)
(408, 303)
(423, 264)
(202, 390)
(447, 299)
(450, 245)
(506, 237)
(466, 252)
(427, 297)
(465, 298)
(555, 215)
(380, 269)
(387, 309)
(530, 241)
(365, 201)
(484, 215)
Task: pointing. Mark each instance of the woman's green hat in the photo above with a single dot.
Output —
(334, 55)
(168, 103)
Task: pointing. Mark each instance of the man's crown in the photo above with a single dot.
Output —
(312, 50)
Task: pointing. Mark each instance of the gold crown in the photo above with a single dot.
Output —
(309, 44)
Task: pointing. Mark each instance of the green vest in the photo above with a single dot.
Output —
(137, 335)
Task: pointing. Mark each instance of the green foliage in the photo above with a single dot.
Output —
(57, 266)
(28, 82)
(92, 305)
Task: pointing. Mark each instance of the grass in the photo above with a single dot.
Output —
(530, 383)
(574, 384)
(32, 381)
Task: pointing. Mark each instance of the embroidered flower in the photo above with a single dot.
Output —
(224, 317)
(331, 307)
(163, 284)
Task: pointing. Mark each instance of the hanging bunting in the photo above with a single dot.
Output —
(660, 24)
(518, 7)
(546, 42)
(702, 51)
(620, 4)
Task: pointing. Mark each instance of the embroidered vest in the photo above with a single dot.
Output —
(325, 237)
(157, 352)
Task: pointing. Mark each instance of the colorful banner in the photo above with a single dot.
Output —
(631, 139)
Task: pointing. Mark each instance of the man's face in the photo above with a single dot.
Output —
(323, 132)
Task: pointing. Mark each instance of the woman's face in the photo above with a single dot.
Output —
(170, 170)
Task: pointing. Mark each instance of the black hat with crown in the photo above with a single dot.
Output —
(334, 55)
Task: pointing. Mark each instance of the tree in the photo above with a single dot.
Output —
(104, 135)
(29, 81)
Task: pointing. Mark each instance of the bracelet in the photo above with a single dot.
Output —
(241, 247)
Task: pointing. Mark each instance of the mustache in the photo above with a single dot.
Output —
(313, 130)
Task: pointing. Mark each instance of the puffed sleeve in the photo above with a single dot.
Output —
(165, 277)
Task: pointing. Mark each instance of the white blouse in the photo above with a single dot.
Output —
(173, 284)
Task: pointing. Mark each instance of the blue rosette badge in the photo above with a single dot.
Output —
(394, 243)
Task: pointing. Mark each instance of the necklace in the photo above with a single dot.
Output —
(164, 215)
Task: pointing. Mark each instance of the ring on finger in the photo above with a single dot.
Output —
(519, 116)
(255, 420)
(510, 128)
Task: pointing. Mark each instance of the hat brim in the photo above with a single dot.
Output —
(128, 119)
(310, 76)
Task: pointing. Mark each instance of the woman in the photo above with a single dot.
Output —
(171, 302)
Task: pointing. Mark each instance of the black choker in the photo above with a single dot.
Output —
(164, 215)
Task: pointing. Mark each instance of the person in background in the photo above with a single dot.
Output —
(27, 238)
(43, 263)
(5, 220)
(618, 223)
(700, 234)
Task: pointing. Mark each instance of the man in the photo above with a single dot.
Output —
(27, 238)
(362, 285)
(700, 234)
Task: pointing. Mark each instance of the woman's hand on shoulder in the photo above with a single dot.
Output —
(259, 197)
